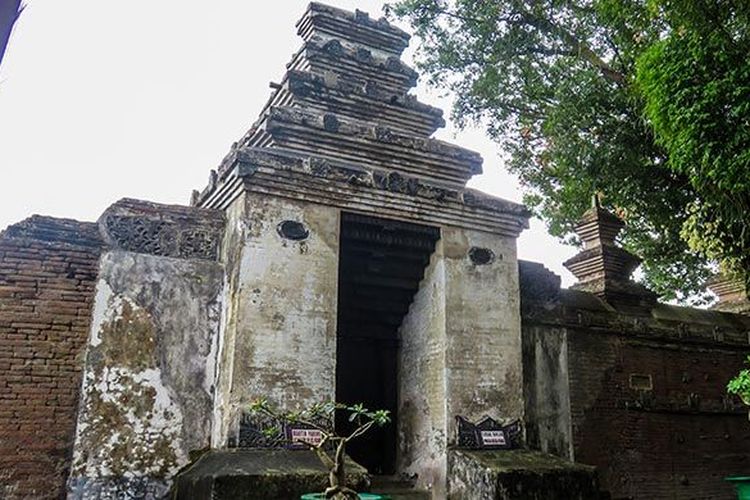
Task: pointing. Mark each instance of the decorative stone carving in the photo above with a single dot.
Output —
(163, 230)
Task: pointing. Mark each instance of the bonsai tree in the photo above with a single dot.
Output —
(331, 447)
(740, 385)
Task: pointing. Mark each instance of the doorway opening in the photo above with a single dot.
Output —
(381, 263)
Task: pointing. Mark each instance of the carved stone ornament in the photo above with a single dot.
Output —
(160, 237)
(488, 434)
(481, 256)
(254, 432)
(293, 230)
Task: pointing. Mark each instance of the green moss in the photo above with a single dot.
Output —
(500, 461)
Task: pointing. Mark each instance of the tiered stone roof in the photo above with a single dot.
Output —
(341, 129)
(603, 268)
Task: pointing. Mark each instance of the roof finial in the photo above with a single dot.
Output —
(603, 268)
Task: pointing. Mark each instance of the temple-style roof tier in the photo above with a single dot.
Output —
(359, 188)
(364, 102)
(732, 292)
(340, 138)
(598, 227)
(603, 268)
(358, 27)
(341, 129)
(353, 63)
(599, 262)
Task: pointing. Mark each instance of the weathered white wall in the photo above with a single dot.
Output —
(285, 313)
(460, 352)
(482, 311)
(149, 374)
(235, 231)
(422, 412)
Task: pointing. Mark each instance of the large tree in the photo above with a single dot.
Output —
(573, 91)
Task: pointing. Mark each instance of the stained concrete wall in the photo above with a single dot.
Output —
(547, 390)
(285, 313)
(483, 328)
(422, 413)
(147, 388)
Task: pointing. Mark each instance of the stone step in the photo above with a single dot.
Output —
(398, 489)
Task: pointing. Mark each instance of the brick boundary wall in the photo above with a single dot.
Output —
(638, 392)
(676, 440)
(48, 270)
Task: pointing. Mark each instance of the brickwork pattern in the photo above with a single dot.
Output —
(678, 439)
(48, 269)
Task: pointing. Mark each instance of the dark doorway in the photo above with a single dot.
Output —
(381, 264)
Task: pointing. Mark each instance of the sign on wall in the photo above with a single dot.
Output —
(488, 434)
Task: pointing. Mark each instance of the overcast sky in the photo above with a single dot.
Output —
(104, 99)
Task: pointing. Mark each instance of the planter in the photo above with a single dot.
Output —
(742, 483)
(362, 496)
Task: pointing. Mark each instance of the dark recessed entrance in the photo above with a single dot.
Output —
(381, 264)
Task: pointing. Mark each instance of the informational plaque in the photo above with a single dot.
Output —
(299, 436)
(488, 434)
(493, 438)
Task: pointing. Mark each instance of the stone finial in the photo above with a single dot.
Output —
(733, 294)
(603, 268)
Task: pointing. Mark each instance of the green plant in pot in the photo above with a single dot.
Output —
(740, 385)
(328, 445)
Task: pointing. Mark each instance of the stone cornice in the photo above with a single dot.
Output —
(164, 230)
(662, 323)
(365, 189)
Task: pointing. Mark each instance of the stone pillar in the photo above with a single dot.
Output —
(602, 267)
(461, 350)
(422, 417)
(483, 327)
(283, 322)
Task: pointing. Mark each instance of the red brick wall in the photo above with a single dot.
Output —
(47, 277)
(677, 440)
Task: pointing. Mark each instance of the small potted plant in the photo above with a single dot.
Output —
(327, 444)
(740, 385)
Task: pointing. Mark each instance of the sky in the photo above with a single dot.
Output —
(105, 99)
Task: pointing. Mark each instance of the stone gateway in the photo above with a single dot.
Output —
(337, 254)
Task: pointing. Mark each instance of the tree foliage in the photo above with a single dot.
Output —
(569, 89)
(696, 86)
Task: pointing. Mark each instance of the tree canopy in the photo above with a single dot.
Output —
(643, 101)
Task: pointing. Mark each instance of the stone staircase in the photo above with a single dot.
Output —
(398, 488)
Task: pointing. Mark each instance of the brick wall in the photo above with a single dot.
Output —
(638, 392)
(47, 276)
(676, 440)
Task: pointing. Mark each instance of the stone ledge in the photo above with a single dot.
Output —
(519, 475)
(258, 474)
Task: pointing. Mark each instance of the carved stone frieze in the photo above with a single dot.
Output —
(169, 231)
